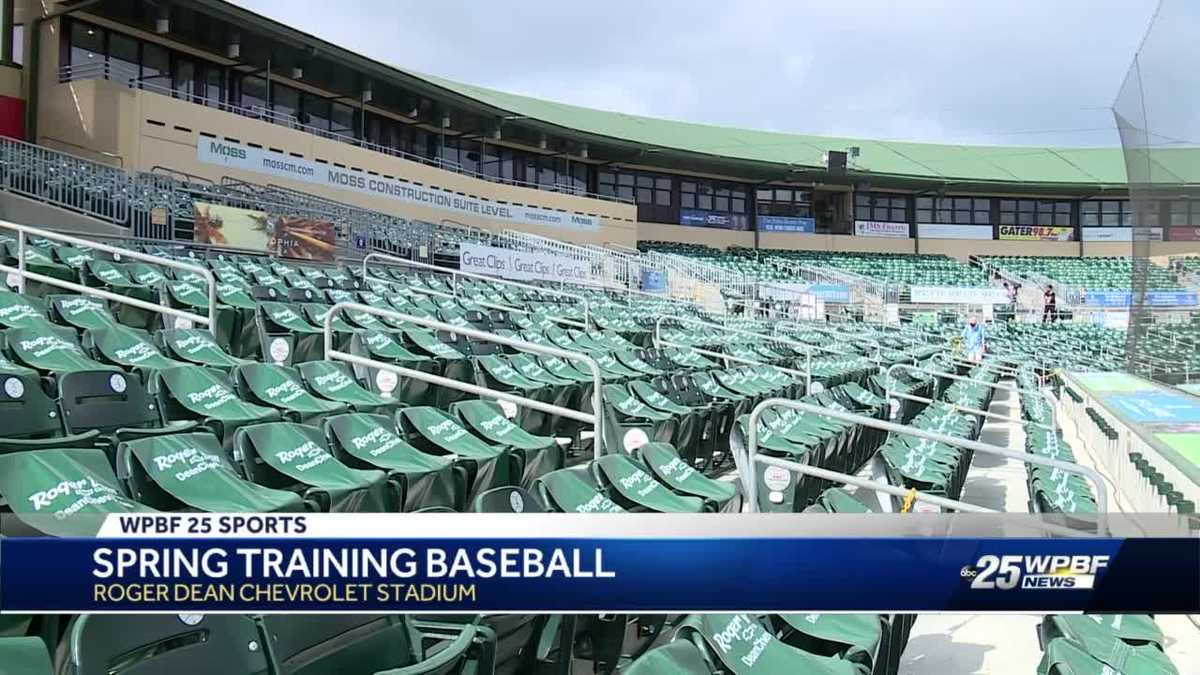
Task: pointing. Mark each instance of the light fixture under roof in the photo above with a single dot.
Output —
(297, 73)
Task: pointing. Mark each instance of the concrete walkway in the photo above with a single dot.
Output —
(1000, 644)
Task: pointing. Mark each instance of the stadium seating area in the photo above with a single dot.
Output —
(1085, 273)
(156, 412)
(899, 270)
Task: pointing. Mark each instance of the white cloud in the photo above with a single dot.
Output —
(1018, 72)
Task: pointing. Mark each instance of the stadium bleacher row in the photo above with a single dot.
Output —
(152, 412)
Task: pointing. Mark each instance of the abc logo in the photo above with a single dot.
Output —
(968, 572)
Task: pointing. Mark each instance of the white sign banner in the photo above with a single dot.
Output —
(1122, 234)
(958, 295)
(943, 231)
(259, 160)
(874, 228)
(521, 265)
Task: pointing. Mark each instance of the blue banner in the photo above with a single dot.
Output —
(1157, 406)
(728, 221)
(786, 224)
(1181, 298)
(654, 281)
(473, 575)
(837, 293)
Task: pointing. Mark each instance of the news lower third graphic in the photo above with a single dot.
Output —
(440, 563)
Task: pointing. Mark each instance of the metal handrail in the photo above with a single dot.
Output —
(24, 231)
(595, 418)
(847, 479)
(658, 340)
(950, 376)
(973, 411)
(750, 482)
(454, 274)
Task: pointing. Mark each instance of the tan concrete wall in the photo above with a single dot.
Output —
(11, 82)
(141, 130)
(964, 248)
(709, 236)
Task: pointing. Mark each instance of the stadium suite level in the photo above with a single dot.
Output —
(154, 84)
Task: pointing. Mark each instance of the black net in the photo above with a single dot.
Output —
(1157, 113)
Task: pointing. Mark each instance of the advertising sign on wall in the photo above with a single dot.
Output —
(728, 221)
(875, 228)
(521, 265)
(1036, 233)
(782, 290)
(1184, 234)
(287, 236)
(302, 238)
(786, 224)
(1122, 234)
(1107, 298)
(230, 226)
(943, 231)
(260, 160)
(958, 295)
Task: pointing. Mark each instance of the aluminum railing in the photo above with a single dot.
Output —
(93, 188)
(751, 459)
(1045, 395)
(659, 341)
(23, 274)
(595, 418)
(456, 274)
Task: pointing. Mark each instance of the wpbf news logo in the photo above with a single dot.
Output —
(1050, 572)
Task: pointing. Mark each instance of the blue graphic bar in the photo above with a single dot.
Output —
(600, 575)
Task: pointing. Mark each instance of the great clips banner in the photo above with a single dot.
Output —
(589, 563)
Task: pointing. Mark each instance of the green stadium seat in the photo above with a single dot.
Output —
(43, 487)
(24, 656)
(278, 387)
(539, 454)
(295, 457)
(364, 441)
(433, 431)
(191, 472)
(188, 644)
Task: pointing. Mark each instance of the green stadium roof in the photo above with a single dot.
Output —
(1101, 168)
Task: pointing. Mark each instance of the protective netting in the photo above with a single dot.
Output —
(1157, 113)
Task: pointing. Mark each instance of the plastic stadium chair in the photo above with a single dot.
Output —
(186, 644)
(661, 460)
(28, 482)
(278, 387)
(435, 432)
(290, 456)
(746, 647)
(190, 471)
(509, 499)
(574, 490)
(539, 454)
(24, 656)
(324, 644)
(679, 657)
(196, 347)
(636, 490)
(336, 382)
(197, 393)
(365, 441)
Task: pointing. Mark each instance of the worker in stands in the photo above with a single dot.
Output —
(1050, 304)
(973, 342)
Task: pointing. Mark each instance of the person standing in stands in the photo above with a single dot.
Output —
(1050, 301)
(973, 341)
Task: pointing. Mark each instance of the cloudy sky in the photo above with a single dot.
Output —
(1015, 72)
